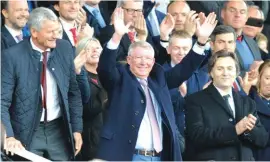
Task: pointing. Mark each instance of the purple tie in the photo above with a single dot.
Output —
(152, 116)
(19, 37)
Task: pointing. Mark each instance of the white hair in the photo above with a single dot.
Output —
(141, 44)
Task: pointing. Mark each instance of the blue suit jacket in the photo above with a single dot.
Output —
(6, 39)
(261, 154)
(126, 105)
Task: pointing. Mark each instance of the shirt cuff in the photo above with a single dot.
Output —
(112, 45)
(198, 49)
(164, 44)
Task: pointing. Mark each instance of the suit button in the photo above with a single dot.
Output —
(142, 101)
(129, 141)
(53, 69)
(230, 119)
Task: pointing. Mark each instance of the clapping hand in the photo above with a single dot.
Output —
(191, 22)
(141, 28)
(166, 27)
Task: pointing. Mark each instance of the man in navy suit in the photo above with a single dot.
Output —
(16, 15)
(141, 124)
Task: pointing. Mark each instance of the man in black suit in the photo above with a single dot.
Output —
(97, 15)
(40, 98)
(221, 124)
(16, 15)
(235, 14)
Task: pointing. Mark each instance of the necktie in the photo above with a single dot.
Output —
(131, 36)
(226, 98)
(73, 31)
(19, 37)
(99, 18)
(152, 117)
(44, 84)
(240, 38)
(154, 26)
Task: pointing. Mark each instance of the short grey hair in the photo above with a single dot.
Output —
(257, 8)
(38, 15)
(141, 44)
(121, 3)
(84, 43)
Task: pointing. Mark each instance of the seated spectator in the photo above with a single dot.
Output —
(262, 42)
(16, 16)
(261, 95)
(235, 14)
(94, 108)
(221, 124)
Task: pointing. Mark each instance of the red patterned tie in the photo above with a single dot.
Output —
(131, 36)
(73, 31)
(240, 38)
(44, 84)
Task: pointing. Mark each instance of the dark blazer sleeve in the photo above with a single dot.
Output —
(107, 68)
(182, 71)
(8, 82)
(201, 135)
(258, 135)
(74, 98)
(84, 85)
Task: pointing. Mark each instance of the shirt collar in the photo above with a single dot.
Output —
(13, 32)
(36, 48)
(67, 26)
(222, 93)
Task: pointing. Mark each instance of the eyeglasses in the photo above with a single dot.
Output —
(132, 11)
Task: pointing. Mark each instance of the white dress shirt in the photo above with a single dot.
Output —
(52, 100)
(66, 28)
(13, 33)
(230, 99)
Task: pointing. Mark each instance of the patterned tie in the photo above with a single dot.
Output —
(19, 37)
(131, 36)
(226, 98)
(99, 18)
(73, 31)
(152, 117)
(44, 83)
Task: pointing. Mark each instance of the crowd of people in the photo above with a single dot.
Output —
(135, 80)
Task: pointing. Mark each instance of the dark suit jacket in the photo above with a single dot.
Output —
(253, 46)
(262, 154)
(21, 93)
(6, 39)
(211, 133)
(126, 105)
(93, 22)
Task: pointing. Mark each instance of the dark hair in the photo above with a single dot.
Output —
(221, 54)
(226, 3)
(222, 29)
(172, 1)
(4, 5)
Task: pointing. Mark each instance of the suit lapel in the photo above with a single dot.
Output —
(239, 112)
(218, 98)
(9, 38)
(251, 47)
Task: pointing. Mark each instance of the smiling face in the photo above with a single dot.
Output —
(17, 14)
(224, 73)
(141, 62)
(93, 50)
(68, 9)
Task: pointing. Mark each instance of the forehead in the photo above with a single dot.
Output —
(237, 4)
(141, 51)
(178, 7)
(225, 62)
(49, 24)
(13, 4)
(181, 42)
(133, 4)
(93, 43)
(266, 71)
(225, 36)
(253, 12)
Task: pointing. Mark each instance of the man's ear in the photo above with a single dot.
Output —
(56, 6)
(5, 13)
(212, 45)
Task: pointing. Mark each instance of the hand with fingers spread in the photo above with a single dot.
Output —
(11, 145)
(78, 142)
(79, 61)
(166, 27)
(86, 31)
(190, 23)
(202, 17)
(119, 26)
(141, 28)
(250, 79)
(205, 30)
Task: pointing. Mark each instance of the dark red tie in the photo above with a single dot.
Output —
(44, 84)
(131, 36)
(73, 31)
